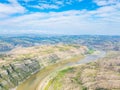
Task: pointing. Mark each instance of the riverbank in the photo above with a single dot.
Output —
(89, 58)
(103, 74)
(21, 63)
(33, 82)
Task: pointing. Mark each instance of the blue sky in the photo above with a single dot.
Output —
(60, 17)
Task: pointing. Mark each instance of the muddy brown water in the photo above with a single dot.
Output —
(33, 81)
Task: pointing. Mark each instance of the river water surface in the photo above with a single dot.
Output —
(33, 82)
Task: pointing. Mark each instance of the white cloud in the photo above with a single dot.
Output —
(12, 8)
(46, 6)
(59, 3)
(105, 19)
(51, 4)
(106, 2)
(68, 22)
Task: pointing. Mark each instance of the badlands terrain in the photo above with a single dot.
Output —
(48, 62)
(103, 74)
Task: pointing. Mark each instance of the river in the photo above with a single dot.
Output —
(89, 58)
(34, 81)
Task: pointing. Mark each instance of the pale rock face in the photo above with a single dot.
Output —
(15, 72)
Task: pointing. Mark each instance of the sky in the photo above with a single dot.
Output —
(71, 17)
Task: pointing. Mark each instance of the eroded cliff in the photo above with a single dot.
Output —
(21, 63)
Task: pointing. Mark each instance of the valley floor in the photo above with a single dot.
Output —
(22, 64)
(33, 82)
(103, 74)
(39, 80)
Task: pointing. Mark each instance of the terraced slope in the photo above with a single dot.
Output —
(21, 63)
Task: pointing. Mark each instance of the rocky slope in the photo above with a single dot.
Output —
(100, 75)
(20, 63)
(11, 75)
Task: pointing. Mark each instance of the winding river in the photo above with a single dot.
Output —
(35, 80)
(89, 58)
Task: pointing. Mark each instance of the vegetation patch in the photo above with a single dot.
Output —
(100, 75)
(56, 82)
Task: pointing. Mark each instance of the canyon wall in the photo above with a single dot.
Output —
(16, 71)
